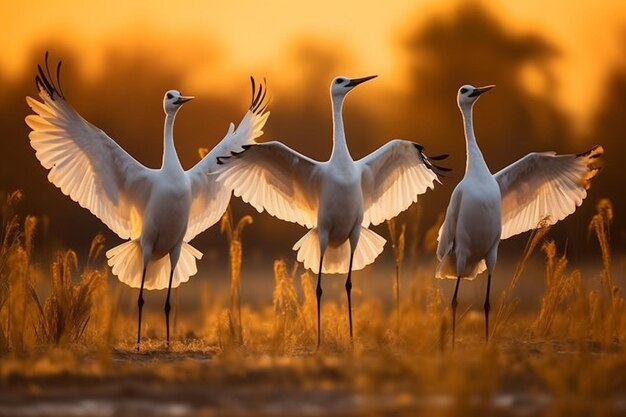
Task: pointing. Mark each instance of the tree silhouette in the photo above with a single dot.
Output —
(608, 129)
(472, 47)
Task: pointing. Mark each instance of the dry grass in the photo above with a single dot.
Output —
(62, 330)
(28, 320)
(398, 242)
(64, 315)
(235, 255)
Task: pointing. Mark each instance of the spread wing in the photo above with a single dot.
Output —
(544, 186)
(393, 176)
(273, 177)
(83, 161)
(210, 198)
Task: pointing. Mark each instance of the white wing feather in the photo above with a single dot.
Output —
(273, 177)
(544, 186)
(85, 163)
(210, 198)
(392, 177)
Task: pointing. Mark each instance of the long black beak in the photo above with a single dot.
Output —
(183, 99)
(478, 91)
(356, 81)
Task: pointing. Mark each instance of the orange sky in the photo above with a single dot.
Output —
(255, 36)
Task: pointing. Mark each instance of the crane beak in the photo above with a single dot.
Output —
(478, 91)
(356, 81)
(183, 99)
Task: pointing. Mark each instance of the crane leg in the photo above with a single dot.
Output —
(140, 307)
(454, 305)
(487, 307)
(349, 293)
(318, 293)
(168, 308)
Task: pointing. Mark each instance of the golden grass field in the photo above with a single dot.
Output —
(68, 349)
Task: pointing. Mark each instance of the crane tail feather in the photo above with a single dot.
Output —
(337, 259)
(126, 262)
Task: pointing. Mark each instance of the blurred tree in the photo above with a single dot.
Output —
(472, 47)
(519, 116)
(608, 129)
(124, 98)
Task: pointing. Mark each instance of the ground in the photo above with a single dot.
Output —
(556, 347)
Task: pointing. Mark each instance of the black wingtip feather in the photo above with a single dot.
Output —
(253, 87)
(45, 81)
(233, 154)
(48, 87)
(59, 79)
(259, 104)
(437, 169)
(591, 153)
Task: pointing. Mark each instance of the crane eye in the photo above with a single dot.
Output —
(339, 81)
(463, 90)
(169, 96)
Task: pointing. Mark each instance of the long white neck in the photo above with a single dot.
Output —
(340, 147)
(474, 160)
(170, 157)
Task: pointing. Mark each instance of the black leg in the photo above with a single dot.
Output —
(140, 307)
(349, 292)
(487, 308)
(319, 299)
(454, 305)
(167, 309)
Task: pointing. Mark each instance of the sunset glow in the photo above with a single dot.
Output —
(256, 37)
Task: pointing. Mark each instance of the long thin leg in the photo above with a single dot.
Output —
(349, 291)
(454, 305)
(140, 307)
(319, 292)
(167, 309)
(487, 308)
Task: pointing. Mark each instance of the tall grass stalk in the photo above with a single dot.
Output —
(609, 324)
(507, 305)
(600, 224)
(235, 254)
(15, 273)
(66, 312)
(290, 324)
(559, 285)
(397, 245)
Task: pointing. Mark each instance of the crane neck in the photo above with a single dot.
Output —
(170, 157)
(474, 157)
(340, 147)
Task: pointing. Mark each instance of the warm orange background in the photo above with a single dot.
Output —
(558, 65)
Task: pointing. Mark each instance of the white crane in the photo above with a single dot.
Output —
(158, 210)
(540, 188)
(337, 199)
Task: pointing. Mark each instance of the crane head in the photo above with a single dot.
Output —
(340, 86)
(468, 94)
(173, 100)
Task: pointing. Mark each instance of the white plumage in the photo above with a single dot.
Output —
(540, 188)
(337, 199)
(159, 210)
